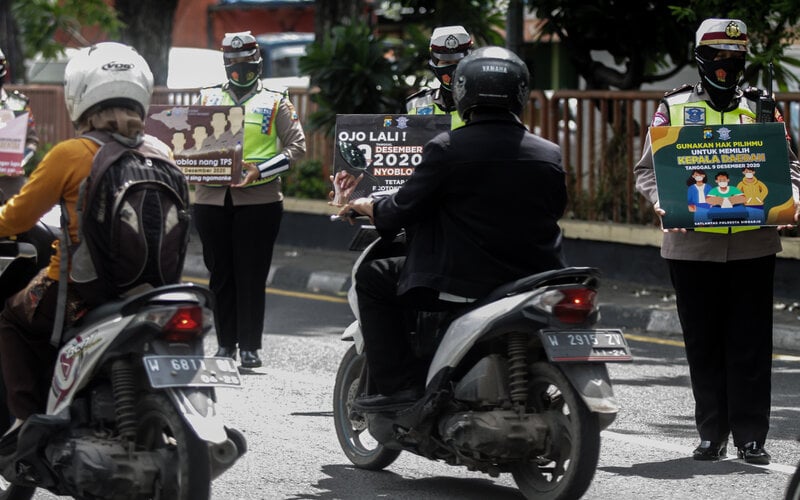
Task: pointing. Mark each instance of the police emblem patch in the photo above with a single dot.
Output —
(694, 116)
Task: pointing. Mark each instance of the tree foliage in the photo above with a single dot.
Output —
(41, 20)
(351, 73)
(45, 27)
(652, 41)
(772, 26)
(148, 27)
(361, 66)
(32, 27)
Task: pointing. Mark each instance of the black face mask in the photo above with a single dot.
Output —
(444, 74)
(723, 74)
(243, 74)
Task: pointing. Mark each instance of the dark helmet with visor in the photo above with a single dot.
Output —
(242, 58)
(491, 77)
(449, 44)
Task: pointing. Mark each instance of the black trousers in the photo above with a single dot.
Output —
(384, 316)
(725, 310)
(237, 250)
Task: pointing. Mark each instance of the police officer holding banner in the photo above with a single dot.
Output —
(729, 352)
(238, 224)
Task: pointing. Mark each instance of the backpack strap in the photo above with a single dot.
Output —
(61, 299)
(65, 247)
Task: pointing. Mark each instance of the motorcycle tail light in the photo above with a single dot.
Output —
(576, 305)
(185, 324)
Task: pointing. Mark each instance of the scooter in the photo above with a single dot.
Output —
(131, 411)
(516, 383)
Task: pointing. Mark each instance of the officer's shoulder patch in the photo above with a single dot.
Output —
(678, 90)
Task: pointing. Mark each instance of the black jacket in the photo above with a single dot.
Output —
(484, 205)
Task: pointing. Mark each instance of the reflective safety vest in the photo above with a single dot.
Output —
(260, 131)
(687, 109)
(423, 103)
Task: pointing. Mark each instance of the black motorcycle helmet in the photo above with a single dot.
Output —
(720, 76)
(491, 77)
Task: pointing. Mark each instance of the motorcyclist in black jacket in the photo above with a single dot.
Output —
(484, 204)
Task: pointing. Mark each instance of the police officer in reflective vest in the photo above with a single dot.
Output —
(449, 44)
(723, 277)
(17, 103)
(238, 224)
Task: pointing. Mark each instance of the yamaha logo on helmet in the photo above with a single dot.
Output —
(494, 68)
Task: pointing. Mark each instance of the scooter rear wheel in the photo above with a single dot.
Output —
(351, 429)
(567, 471)
(159, 427)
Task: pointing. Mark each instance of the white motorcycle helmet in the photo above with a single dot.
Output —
(107, 71)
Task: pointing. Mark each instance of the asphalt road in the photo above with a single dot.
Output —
(285, 411)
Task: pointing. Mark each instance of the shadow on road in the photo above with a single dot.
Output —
(345, 481)
(684, 468)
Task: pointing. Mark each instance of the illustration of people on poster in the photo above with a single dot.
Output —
(379, 152)
(206, 140)
(13, 130)
(723, 175)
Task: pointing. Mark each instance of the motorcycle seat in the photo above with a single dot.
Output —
(561, 276)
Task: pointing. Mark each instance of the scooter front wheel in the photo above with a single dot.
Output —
(566, 471)
(351, 428)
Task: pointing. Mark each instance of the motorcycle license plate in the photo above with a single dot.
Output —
(585, 345)
(191, 371)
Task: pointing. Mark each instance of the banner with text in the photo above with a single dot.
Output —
(723, 175)
(379, 152)
(13, 131)
(207, 140)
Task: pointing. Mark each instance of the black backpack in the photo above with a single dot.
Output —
(133, 212)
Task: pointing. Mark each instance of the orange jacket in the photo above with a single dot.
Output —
(57, 176)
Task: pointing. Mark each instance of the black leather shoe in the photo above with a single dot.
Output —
(226, 352)
(710, 450)
(250, 359)
(396, 401)
(753, 453)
